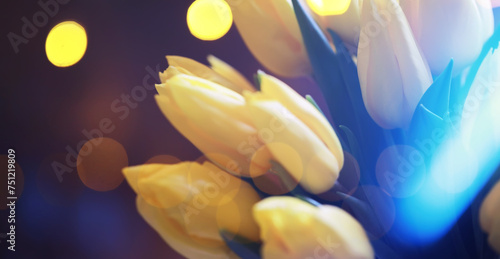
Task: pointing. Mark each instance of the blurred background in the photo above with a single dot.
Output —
(49, 112)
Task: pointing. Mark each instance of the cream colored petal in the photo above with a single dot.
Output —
(161, 185)
(442, 36)
(273, 42)
(209, 179)
(240, 205)
(392, 72)
(304, 111)
(201, 198)
(169, 72)
(349, 240)
(277, 125)
(177, 238)
(214, 149)
(283, 11)
(232, 75)
(204, 85)
(291, 228)
(222, 117)
(194, 68)
(220, 201)
(284, 223)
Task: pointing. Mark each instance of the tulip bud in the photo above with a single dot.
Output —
(447, 29)
(271, 32)
(297, 134)
(188, 204)
(214, 119)
(244, 134)
(489, 217)
(304, 110)
(392, 72)
(293, 229)
(220, 73)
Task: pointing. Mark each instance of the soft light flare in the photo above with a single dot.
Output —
(66, 44)
(209, 19)
(329, 7)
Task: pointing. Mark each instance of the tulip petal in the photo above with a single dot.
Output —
(291, 228)
(273, 37)
(194, 68)
(200, 200)
(214, 149)
(159, 184)
(392, 72)
(304, 111)
(220, 116)
(354, 242)
(319, 169)
(460, 33)
(173, 234)
(231, 74)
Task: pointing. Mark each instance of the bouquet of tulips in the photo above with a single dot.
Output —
(408, 143)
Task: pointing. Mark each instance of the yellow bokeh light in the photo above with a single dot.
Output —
(329, 7)
(209, 19)
(66, 44)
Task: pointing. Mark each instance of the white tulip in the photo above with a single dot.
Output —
(392, 71)
(447, 29)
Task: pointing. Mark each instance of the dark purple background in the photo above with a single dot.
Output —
(45, 108)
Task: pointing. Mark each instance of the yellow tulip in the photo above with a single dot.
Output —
(307, 113)
(271, 32)
(208, 114)
(233, 131)
(489, 217)
(392, 72)
(188, 204)
(297, 134)
(293, 229)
